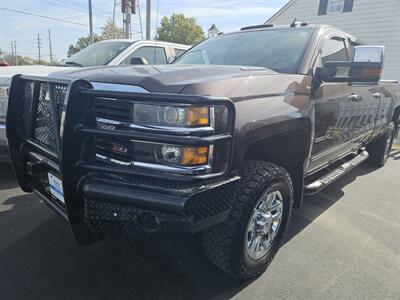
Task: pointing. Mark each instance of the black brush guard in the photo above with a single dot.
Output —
(51, 128)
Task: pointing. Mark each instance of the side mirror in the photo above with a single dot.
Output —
(366, 67)
(136, 60)
(373, 54)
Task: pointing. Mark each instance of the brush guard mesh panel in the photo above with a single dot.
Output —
(46, 107)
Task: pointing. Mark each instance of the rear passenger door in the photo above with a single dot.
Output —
(334, 112)
(154, 55)
(365, 107)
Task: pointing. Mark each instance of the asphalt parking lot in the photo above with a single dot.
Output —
(344, 243)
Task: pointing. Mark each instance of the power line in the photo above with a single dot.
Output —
(45, 17)
(84, 6)
(75, 8)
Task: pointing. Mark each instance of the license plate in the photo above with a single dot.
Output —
(56, 188)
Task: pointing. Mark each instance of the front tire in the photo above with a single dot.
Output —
(379, 150)
(246, 243)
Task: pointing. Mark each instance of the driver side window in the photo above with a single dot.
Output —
(334, 49)
(153, 55)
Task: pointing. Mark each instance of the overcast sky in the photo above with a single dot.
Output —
(228, 15)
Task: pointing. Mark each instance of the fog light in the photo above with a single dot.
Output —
(182, 156)
(171, 154)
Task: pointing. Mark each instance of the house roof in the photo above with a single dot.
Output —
(279, 12)
(213, 27)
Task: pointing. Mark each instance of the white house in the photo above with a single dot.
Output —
(376, 22)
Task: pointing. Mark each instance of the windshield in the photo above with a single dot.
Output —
(97, 54)
(280, 50)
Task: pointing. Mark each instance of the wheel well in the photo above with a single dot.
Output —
(287, 150)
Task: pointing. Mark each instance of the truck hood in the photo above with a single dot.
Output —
(234, 82)
(6, 73)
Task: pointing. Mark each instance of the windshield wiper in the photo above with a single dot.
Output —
(73, 63)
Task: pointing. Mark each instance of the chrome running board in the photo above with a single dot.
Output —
(335, 174)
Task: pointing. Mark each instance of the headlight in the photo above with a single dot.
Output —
(171, 155)
(3, 102)
(180, 120)
(171, 116)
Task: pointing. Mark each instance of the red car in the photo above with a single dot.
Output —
(3, 63)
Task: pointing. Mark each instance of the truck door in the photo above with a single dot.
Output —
(335, 111)
(365, 104)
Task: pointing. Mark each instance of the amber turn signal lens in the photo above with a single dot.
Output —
(197, 116)
(371, 72)
(193, 156)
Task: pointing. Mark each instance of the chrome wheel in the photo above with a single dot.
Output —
(264, 224)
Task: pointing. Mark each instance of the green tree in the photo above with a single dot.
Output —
(109, 31)
(82, 43)
(180, 29)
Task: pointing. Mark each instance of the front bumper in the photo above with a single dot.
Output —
(101, 199)
(137, 208)
(4, 155)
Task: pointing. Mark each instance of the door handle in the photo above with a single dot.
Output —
(377, 95)
(354, 98)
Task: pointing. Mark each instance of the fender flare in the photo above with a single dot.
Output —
(252, 136)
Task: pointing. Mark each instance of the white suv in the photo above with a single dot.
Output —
(117, 52)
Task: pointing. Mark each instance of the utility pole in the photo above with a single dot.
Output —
(15, 52)
(115, 3)
(50, 50)
(126, 10)
(140, 19)
(39, 46)
(12, 48)
(90, 22)
(148, 19)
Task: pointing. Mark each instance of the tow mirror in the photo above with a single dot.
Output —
(365, 67)
(137, 60)
(372, 54)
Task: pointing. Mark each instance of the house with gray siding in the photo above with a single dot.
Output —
(375, 22)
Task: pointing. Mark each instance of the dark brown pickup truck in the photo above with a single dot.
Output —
(226, 140)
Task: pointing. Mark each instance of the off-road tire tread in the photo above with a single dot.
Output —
(217, 241)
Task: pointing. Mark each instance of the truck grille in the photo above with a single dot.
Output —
(110, 114)
(45, 107)
(112, 110)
